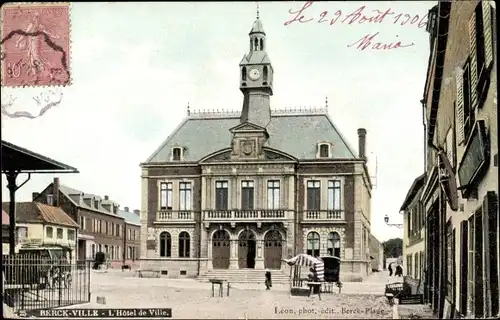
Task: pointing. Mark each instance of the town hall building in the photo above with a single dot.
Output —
(246, 189)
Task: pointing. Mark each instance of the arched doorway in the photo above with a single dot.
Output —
(273, 250)
(247, 250)
(221, 249)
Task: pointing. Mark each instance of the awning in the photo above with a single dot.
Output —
(305, 260)
(15, 158)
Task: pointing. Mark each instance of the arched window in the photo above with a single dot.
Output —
(334, 244)
(313, 244)
(256, 44)
(184, 245)
(261, 44)
(244, 74)
(265, 73)
(165, 244)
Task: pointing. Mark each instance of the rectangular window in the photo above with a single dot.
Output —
(478, 265)
(185, 195)
(313, 195)
(49, 232)
(247, 195)
(334, 195)
(82, 223)
(273, 194)
(96, 204)
(480, 49)
(449, 262)
(129, 234)
(166, 194)
(60, 233)
(93, 250)
(221, 195)
(50, 199)
(469, 109)
(470, 276)
(71, 234)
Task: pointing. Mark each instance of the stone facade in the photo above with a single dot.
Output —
(251, 188)
(461, 116)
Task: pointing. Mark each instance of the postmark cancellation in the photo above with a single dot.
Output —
(35, 45)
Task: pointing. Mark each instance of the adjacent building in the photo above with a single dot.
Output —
(245, 189)
(414, 231)
(101, 228)
(44, 225)
(460, 195)
(131, 236)
(376, 254)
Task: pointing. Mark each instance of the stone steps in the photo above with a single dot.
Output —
(244, 276)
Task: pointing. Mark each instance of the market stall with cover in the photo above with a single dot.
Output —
(298, 284)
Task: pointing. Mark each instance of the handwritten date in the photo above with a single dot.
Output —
(357, 16)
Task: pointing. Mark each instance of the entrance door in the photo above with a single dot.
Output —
(221, 250)
(273, 250)
(246, 250)
(82, 248)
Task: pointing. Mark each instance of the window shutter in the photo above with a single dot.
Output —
(488, 36)
(449, 147)
(459, 106)
(473, 60)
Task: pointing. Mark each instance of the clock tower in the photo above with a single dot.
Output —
(256, 79)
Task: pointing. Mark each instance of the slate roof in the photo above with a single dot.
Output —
(417, 184)
(77, 198)
(36, 212)
(130, 217)
(295, 134)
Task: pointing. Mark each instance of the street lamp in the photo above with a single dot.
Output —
(398, 225)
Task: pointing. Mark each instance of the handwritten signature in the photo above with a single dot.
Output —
(358, 16)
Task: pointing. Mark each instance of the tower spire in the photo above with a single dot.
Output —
(257, 10)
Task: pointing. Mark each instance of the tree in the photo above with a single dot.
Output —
(393, 248)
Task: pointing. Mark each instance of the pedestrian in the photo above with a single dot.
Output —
(399, 271)
(268, 282)
(390, 269)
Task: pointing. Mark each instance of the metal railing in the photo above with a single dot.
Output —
(250, 215)
(34, 282)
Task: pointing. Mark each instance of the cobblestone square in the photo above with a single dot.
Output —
(192, 299)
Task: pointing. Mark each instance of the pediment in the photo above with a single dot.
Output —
(276, 155)
(219, 156)
(247, 127)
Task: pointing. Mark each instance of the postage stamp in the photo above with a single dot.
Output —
(35, 45)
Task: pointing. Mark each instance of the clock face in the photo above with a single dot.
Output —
(254, 74)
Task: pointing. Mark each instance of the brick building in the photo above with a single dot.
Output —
(131, 237)
(462, 150)
(242, 190)
(101, 228)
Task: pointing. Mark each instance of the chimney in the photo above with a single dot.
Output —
(55, 192)
(362, 143)
(106, 198)
(137, 212)
(126, 209)
(34, 195)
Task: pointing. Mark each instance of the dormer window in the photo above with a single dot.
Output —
(96, 203)
(50, 199)
(177, 154)
(323, 150)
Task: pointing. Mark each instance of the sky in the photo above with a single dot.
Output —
(136, 66)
